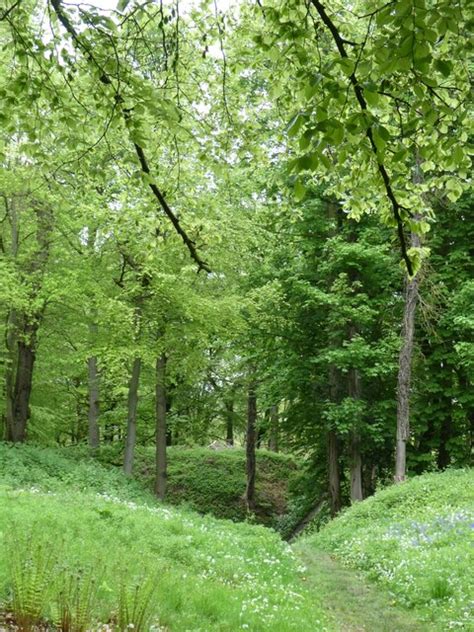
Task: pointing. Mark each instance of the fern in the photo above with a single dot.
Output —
(136, 605)
(76, 600)
(30, 580)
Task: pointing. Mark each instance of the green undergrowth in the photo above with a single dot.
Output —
(81, 545)
(214, 481)
(55, 469)
(191, 572)
(203, 480)
(416, 541)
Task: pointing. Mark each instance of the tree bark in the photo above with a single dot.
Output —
(354, 442)
(333, 451)
(160, 454)
(132, 403)
(19, 379)
(355, 458)
(356, 467)
(251, 436)
(334, 478)
(22, 327)
(10, 372)
(229, 421)
(94, 405)
(404, 372)
(92, 369)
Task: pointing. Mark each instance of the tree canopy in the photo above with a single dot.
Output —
(204, 209)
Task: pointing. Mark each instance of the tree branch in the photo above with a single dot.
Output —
(359, 94)
(127, 114)
(7, 12)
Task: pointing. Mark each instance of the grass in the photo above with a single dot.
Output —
(415, 540)
(213, 481)
(83, 545)
(75, 551)
(56, 470)
(353, 603)
(203, 480)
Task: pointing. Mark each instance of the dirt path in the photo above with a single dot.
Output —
(354, 604)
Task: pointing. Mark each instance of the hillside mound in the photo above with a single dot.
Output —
(82, 557)
(414, 539)
(213, 481)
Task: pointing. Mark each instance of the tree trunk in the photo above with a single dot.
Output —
(10, 372)
(446, 431)
(19, 380)
(333, 441)
(404, 373)
(333, 451)
(273, 438)
(132, 403)
(334, 479)
(22, 327)
(160, 455)
(356, 467)
(355, 458)
(229, 421)
(23, 385)
(250, 447)
(92, 370)
(94, 406)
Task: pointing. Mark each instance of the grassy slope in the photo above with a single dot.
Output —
(415, 540)
(354, 603)
(210, 574)
(213, 481)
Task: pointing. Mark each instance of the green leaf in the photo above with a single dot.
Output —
(347, 66)
(295, 125)
(300, 191)
(372, 98)
(305, 139)
(406, 46)
(384, 133)
(445, 67)
(336, 133)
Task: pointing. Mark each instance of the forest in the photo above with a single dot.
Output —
(236, 284)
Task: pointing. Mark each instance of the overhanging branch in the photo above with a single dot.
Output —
(359, 94)
(106, 80)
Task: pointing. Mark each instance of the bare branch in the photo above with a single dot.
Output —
(7, 12)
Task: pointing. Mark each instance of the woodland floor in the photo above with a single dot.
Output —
(353, 603)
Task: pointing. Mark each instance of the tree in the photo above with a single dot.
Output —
(376, 85)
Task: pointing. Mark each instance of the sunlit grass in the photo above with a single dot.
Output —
(205, 574)
(416, 539)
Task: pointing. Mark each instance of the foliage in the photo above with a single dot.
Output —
(212, 575)
(214, 481)
(414, 539)
(207, 481)
(53, 470)
(177, 182)
(378, 96)
(30, 574)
